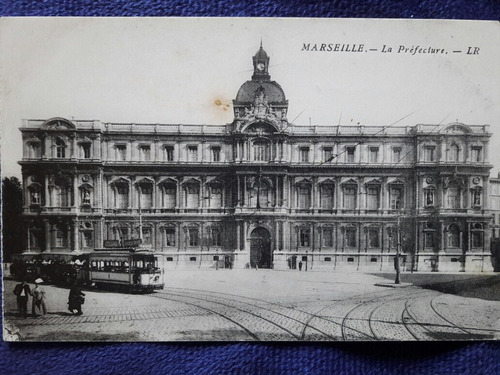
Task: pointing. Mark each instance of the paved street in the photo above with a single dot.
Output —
(261, 305)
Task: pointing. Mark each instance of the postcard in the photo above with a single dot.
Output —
(250, 179)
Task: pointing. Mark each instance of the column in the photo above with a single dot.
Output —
(28, 237)
(76, 245)
(73, 146)
(238, 194)
(238, 236)
(244, 191)
(75, 190)
(48, 238)
(47, 151)
(276, 236)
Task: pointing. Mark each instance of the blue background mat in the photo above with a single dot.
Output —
(248, 358)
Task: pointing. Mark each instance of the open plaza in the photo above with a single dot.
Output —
(249, 304)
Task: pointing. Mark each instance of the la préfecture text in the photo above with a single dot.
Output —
(385, 48)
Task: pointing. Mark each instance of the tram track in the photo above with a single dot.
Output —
(181, 298)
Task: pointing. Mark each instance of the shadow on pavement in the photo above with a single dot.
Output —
(485, 287)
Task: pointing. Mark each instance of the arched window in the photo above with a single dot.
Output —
(60, 148)
(454, 196)
(304, 196)
(121, 195)
(169, 196)
(327, 196)
(261, 150)
(350, 196)
(396, 197)
(145, 191)
(373, 238)
(373, 197)
(192, 195)
(454, 152)
(61, 235)
(170, 237)
(453, 236)
(215, 196)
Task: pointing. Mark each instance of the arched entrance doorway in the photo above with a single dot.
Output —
(260, 248)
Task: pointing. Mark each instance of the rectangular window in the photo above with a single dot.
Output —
(304, 154)
(169, 153)
(350, 237)
(373, 238)
(396, 154)
(304, 197)
(61, 238)
(429, 153)
(305, 237)
(373, 198)
(453, 197)
(86, 150)
(373, 154)
(327, 193)
(121, 152)
(327, 237)
(216, 154)
(477, 239)
(193, 197)
(429, 239)
(350, 197)
(215, 237)
(122, 197)
(476, 153)
(350, 154)
(145, 152)
(170, 237)
(34, 150)
(193, 237)
(146, 197)
(396, 198)
(169, 197)
(146, 236)
(327, 154)
(87, 239)
(192, 153)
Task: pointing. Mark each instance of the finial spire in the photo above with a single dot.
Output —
(261, 42)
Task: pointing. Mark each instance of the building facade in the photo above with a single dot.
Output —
(261, 191)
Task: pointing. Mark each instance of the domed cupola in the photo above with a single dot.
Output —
(260, 99)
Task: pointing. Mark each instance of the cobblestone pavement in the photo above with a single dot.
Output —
(259, 305)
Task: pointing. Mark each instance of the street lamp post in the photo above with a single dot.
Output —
(398, 247)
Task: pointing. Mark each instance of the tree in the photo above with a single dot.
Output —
(12, 207)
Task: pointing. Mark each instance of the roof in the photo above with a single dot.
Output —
(273, 91)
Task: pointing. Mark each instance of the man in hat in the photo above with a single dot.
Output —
(38, 305)
(22, 291)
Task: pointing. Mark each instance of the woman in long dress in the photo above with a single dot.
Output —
(38, 304)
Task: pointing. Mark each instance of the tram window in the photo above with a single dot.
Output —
(350, 259)
(304, 258)
(216, 257)
(170, 259)
(454, 259)
(373, 259)
(192, 259)
(328, 259)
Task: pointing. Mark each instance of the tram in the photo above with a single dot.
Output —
(117, 268)
(122, 268)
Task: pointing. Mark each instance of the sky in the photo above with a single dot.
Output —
(157, 70)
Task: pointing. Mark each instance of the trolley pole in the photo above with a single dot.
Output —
(398, 247)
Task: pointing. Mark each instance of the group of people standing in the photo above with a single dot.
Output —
(23, 291)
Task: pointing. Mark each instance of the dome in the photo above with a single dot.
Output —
(273, 91)
(261, 54)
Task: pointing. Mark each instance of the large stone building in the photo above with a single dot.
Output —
(261, 191)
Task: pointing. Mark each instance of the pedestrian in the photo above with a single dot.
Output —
(38, 304)
(300, 266)
(76, 299)
(22, 291)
